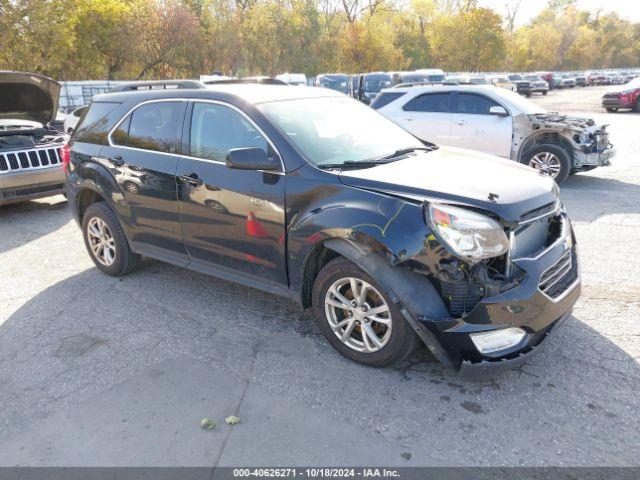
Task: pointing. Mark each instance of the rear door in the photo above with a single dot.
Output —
(427, 116)
(231, 219)
(143, 156)
(473, 127)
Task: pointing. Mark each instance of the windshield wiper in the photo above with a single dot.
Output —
(403, 151)
(353, 164)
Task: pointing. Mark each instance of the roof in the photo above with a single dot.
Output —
(448, 88)
(249, 93)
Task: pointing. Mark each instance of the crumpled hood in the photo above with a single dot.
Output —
(563, 121)
(26, 96)
(458, 176)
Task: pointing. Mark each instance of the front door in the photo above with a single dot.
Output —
(231, 219)
(142, 155)
(473, 127)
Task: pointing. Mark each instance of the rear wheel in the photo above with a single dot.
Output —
(550, 160)
(637, 107)
(105, 241)
(357, 318)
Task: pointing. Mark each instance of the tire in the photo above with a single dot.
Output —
(544, 93)
(637, 106)
(124, 260)
(396, 337)
(611, 109)
(555, 150)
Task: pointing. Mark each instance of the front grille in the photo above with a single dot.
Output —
(560, 275)
(29, 159)
(547, 209)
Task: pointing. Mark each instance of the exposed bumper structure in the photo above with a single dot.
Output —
(538, 305)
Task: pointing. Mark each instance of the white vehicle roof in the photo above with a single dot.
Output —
(514, 102)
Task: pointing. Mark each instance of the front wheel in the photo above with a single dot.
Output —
(611, 109)
(358, 318)
(549, 159)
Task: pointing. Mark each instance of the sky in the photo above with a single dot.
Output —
(628, 9)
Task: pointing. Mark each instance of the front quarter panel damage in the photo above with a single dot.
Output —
(586, 142)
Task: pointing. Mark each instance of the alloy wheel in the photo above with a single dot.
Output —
(358, 315)
(101, 241)
(547, 163)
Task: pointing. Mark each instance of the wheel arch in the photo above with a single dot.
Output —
(414, 294)
(545, 137)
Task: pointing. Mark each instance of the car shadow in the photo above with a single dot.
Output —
(89, 332)
(588, 197)
(43, 217)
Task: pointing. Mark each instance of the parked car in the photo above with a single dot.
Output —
(538, 85)
(597, 79)
(298, 79)
(368, 85)
(553, 80)
(335, 81)
(568, 81)
(581, 81)
(72, 118)
(503, 82)
(523, 86)
(434, 75)
(499, 122)
(470, 80)
(30, 163)
(398, 78)
(386, 238)
(626, 96)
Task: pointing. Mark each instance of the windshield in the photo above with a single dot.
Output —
(436, 78)
(377, 83)
(333, 130)
(478, 81)
(519, 102)
(412, 78)
(533, 78)
(515, 77)
(335, 82)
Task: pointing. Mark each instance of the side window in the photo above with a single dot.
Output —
(474, 104)
(120, 135)
(429, 102)
(95, 124)
(216, 129)
(155, 126)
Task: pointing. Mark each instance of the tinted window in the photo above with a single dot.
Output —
(94, 126)
(216, 129)
(120, 135)
(156, 126)
(385, 98)
(474, 104)
(430, 102)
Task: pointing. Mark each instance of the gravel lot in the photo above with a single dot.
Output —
(103, 371)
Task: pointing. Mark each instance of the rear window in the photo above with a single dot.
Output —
(93, 126)
(154, 126)
(429, 102)
(385, 98)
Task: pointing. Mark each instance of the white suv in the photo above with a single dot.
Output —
(500, 122)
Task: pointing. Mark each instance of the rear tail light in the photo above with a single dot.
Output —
(65, 156)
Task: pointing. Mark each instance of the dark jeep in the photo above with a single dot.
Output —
(306, 193)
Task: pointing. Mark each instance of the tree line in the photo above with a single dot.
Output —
(144, 39)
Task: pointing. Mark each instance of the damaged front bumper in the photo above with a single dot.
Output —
(539, 304)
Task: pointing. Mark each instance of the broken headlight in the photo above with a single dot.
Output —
(469, 235)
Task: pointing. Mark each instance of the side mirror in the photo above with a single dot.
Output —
(251, 158)
(499, 111)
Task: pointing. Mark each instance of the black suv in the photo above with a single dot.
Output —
(306, 193)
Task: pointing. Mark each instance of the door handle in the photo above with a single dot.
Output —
(409, 119)
(460, 122)
(116, 160)
(191, 179)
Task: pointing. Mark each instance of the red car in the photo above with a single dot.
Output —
(624, 96)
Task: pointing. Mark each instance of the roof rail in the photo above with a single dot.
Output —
(423, 84)
(157, 85)
(258, 80)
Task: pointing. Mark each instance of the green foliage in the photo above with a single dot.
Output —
(138, 39)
